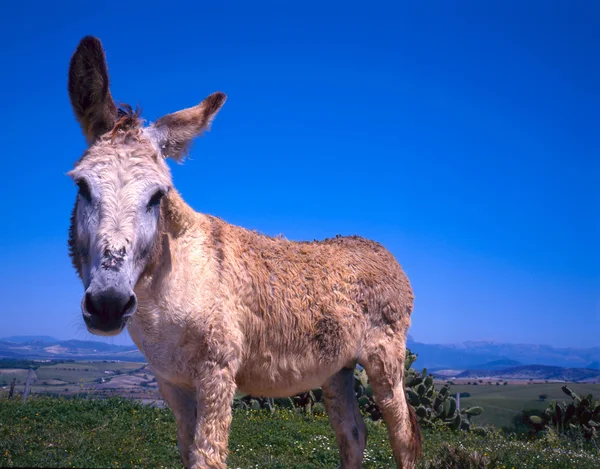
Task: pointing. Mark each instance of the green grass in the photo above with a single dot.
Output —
(46, 432)
(502, 403)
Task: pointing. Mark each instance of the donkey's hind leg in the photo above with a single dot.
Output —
(384, 364)
(345, 418)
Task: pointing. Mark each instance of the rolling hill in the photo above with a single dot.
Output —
(45, 347)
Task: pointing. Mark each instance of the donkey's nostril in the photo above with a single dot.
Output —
(106, 311)
(90, 307)
(110, 304)
(130, 307)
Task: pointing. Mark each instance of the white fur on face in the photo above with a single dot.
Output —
(118, 219)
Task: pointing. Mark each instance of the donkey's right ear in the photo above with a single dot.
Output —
(89, 91)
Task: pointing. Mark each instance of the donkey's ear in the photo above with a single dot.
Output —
(173, 134)
(89, 91)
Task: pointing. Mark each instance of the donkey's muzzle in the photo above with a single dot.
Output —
(106, 312)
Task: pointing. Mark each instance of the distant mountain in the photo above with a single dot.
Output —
(536, 372)
(471, 355)
(45, 347)
(498, 364)
(594, 365)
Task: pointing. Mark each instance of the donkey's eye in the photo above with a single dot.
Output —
(156, 198)
(84, 190)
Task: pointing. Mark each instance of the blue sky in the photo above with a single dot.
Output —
(463, 137)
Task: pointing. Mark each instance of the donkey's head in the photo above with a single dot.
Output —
(122, 178)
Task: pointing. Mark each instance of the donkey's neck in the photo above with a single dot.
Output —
(177, 271)
(177, 216)
(179, 223)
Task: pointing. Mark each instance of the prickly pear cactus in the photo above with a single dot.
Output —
(581, 412)
(364, 394)
(435, 407)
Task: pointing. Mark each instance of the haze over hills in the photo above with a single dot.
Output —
(498, 365)
(28, 338)
(535, 372)
(471, 355)
(47, 348)
(468, 356)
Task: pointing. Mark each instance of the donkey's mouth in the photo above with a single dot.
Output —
(97, 327)
(106, 333)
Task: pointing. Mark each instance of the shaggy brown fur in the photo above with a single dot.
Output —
(222, 308)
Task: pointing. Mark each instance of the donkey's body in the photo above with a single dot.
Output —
(292, 313)
(215, 307)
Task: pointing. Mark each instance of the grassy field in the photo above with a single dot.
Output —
(502, 403)
(50, 432)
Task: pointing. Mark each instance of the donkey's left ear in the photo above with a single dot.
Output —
(89, 90)
(174, 133)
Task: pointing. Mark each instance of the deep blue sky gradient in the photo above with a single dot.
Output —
(463, 136)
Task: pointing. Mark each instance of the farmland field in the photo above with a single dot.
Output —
(501, 403)
(96, 366)
(95, 378)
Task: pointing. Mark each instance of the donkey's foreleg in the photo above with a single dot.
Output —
(214, 394)
(183, 404)
(345, 418)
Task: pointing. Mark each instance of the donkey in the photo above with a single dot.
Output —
(217, 308)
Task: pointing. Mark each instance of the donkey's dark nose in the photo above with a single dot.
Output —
(107, 310)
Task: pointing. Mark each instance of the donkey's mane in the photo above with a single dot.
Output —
(128, 122)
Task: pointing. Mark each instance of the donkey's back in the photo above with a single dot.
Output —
(348, 271)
